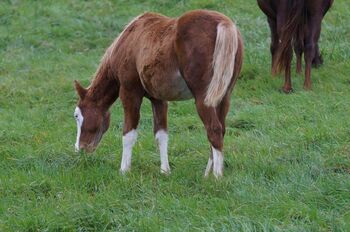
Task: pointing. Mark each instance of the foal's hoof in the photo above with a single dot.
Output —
(165, 172)
(217, 174)
(287, 90)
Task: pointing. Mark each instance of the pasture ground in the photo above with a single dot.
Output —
(287, 157)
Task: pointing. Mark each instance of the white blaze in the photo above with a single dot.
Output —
(129, 140)
(79, 118)
(162, 139)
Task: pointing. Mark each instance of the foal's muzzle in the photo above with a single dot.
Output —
(86, 148)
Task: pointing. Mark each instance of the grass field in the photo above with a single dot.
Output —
(287, 157)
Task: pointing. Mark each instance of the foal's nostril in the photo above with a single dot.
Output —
(82, 147)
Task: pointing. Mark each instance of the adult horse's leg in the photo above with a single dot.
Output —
(298, 49)
(269, 10)
(311, 39)
(287, 88)
(160, 110)
(131, 101)
(274, 39)
(317, 61)
(286, 58)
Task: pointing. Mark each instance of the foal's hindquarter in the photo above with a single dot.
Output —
(168, 59)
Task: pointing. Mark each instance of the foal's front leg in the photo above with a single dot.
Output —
(131, 103)
(160, 110)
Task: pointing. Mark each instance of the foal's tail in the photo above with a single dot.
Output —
(226, 47)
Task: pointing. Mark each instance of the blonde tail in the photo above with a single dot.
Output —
(226, 46)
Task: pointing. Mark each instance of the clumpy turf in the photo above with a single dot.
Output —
(287, 157)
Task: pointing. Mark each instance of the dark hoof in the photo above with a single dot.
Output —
(287, 90)
(299, 71)
(317, 62)
(307, 88)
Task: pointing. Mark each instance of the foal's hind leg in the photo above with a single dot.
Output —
(131, 101)
(221, 111)
(215, 136)
(160, 110)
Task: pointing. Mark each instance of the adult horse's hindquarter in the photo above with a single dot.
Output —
(295, 23)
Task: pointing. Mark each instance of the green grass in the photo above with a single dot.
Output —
(287, 157)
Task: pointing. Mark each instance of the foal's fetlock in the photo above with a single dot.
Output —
(124, 171)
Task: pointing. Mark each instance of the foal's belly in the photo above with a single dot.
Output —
(166, 86)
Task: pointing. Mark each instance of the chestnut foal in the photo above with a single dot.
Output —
(198, 55)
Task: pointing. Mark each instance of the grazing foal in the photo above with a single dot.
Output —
(198, 55)
(298, 23)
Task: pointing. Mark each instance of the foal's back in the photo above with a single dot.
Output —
(152, 51)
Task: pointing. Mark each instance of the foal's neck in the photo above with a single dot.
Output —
(104, 89)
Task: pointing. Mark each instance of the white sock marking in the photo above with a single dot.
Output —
(218, 161)
(129, 140)
(209, 166)
(162, 139)
(79, 118)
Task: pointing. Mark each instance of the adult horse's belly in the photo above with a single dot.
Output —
(168, 86)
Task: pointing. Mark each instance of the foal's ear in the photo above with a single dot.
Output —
(80, 89)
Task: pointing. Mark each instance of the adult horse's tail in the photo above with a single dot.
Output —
(226, 47)
(292, 29)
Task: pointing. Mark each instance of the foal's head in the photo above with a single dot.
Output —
(92, 121)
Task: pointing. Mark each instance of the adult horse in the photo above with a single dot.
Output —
(297, 23)
(198, 55)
